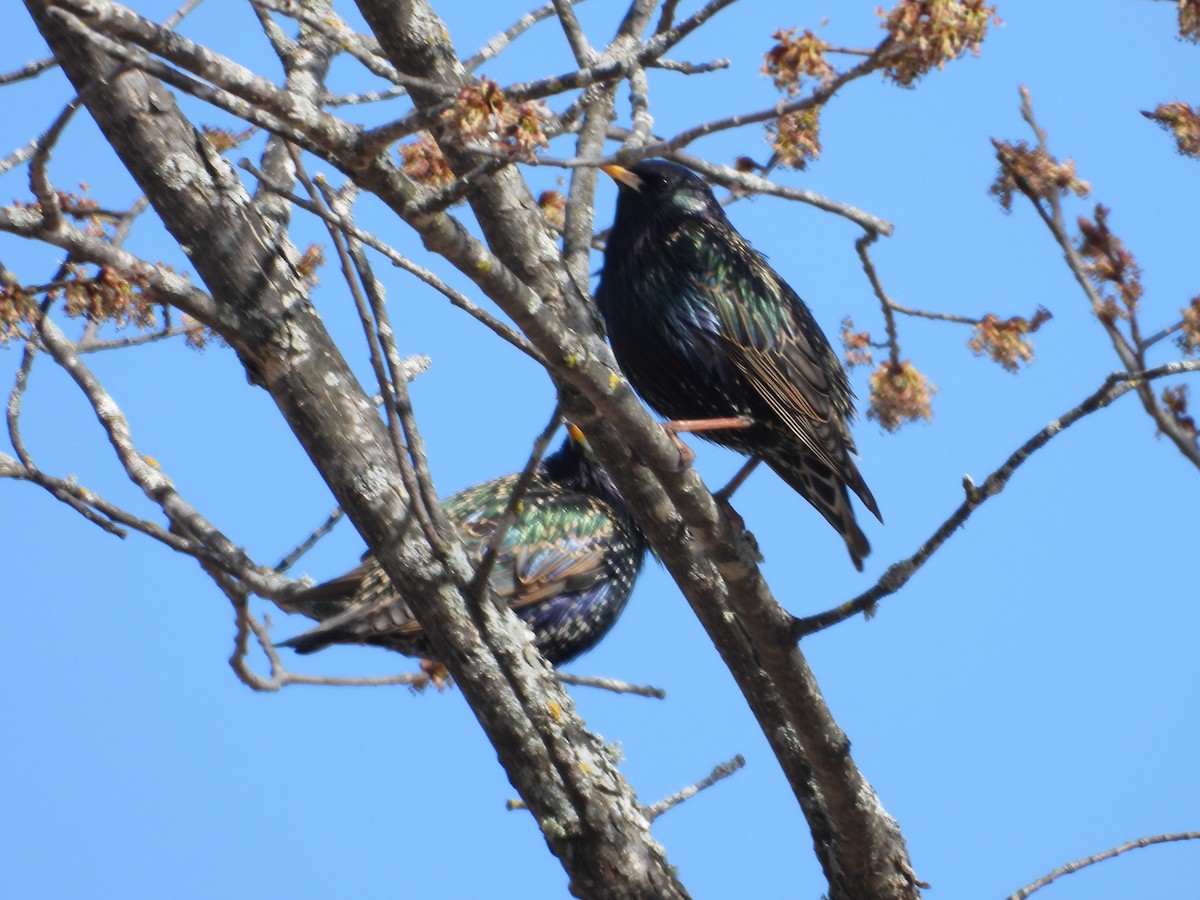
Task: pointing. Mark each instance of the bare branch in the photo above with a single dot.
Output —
(500, 42)
(610, 684)
(1100, 857)
(156, 486)
(29, 70)
(898, 574)
(293, 556)
(400, 261)
(719, 773)
(885, 302)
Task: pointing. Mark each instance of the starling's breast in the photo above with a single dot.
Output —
(666, 333)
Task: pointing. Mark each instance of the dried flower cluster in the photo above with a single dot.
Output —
(1179, 119)
(422, 161)
(1189, 20)
(197, 335)
(223, 139)
(932, 33)
(105, 296)
(483, 113)
(796, 137)
(1189, 338)
(899, 394)
(1108, 263)
(313, 259)
(1175, 402)
(554, 207)
(1033, 172)
(1005, 341)
(81, 207)
(794, 58)
(108, 296)
(17, 308)
(857, 345)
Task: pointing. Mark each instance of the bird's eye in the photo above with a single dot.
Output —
(656, 183)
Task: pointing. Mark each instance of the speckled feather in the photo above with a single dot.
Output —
(566, 565)
(705, 328)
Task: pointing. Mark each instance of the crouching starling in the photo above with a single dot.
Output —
(705, 329)
(566, 565)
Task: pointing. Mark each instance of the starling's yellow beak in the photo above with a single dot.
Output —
(577, 435)
(622, 175)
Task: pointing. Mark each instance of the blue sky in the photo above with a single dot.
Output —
(1028, 699)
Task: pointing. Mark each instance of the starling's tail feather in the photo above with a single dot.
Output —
(309, 641)
(828, 493)
(359, 608)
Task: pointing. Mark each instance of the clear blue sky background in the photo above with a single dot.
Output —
(1030, 698)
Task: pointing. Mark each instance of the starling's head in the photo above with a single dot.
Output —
(657, 190)
(574, 465)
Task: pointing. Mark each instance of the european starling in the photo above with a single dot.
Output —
(704, 329)
(566, 565)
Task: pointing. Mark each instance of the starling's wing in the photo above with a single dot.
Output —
(777, 346)
(773, 341)
(558, 544)
(363, 606)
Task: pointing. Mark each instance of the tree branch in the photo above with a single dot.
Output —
(898, 574)
(1100, 857)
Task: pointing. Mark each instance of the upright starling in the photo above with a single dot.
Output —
(566, 565)
(704, 328)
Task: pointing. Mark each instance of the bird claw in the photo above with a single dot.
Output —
(686, 453)
(742, 534)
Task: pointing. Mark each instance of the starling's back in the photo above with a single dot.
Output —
(705, 328)
(566, 565)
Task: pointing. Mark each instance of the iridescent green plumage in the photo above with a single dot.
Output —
(705, 329)
(566, 565)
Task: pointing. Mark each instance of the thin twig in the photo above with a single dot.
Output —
(217, 548)
(1100, 857)
(402, 424)
(898, 574)
(719, 773)
(1131, 354)
(689, 68)
(488, 559)
(500, 42)
(29, 70)
(458, 299)
(39, 180)
(748, 182)
(292, 557)
(885, 302)
(611, 684)
(935, 316)
(280, 677)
